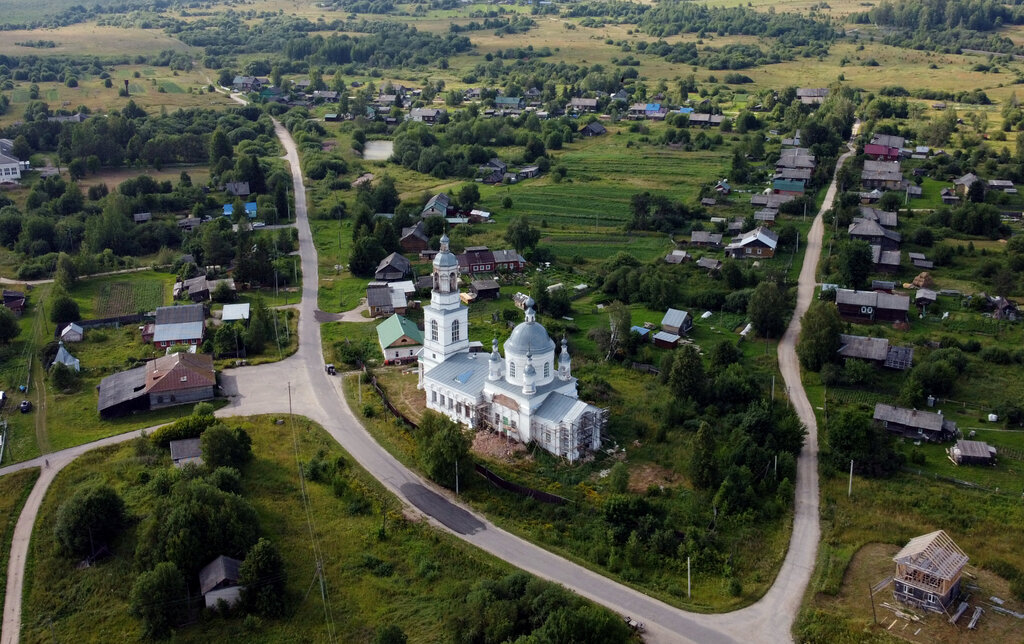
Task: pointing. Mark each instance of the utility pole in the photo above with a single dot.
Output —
(687, 577)
(456, 477)
(849, 490)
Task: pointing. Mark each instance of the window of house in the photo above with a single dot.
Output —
(511, 369)
(433, 330)
(458, 409)
(455, 331)
(758, 251)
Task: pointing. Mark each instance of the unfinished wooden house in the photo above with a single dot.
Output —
(928, 572)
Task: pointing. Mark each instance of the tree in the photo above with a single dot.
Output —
(442, 447)
(66, 274)
(767, 310)
(855, 263)
(225, 447)
(687, 377)
(88, 520)
(469, 196)
(63, 309)
(851, 435)
(264, 579)
(724, 354)
(220, 146)
(9, 327)
(976, 192)
(157, 598)
(819, 335)
(521, 235)
(366, 254)
(703, 466)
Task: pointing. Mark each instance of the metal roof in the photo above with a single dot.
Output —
(559, 408)
(186, 448)
(926, 420)
(235, 312)
(184, 313)
(220, 570)
(856, 346)
(121, 387)
(674, 317)
(392, 329)
(178, 331)
(463, 372)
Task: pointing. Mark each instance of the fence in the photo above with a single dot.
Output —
(521, 490)
(387, 403)
(101, 322)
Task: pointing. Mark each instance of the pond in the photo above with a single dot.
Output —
(378, 150)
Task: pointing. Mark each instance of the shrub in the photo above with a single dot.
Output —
(189, 427)
(87, 520)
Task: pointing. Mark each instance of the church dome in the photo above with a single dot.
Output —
(527, 337)
(445, 258)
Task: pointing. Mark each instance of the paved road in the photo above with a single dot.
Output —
(266, 388)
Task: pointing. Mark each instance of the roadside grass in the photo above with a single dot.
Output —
(333, 333)
(14, 490)
(430, 568)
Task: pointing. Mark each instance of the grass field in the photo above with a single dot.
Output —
(128, 292)
(430, 568)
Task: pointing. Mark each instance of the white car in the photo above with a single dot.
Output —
(258, 224)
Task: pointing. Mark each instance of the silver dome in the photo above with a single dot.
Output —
(444, 257)
(529, 337)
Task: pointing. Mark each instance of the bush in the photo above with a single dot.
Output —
(156, 599)
(189, 427)
(226, 447)
(264, 579)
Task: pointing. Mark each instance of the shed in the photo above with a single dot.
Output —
(925, 296)
(72, 333)
(676, 322)
(666, 340)
(234, 312)
(186, 450)
(485, 289)
(219, 580)
(393, 267)
(643, 332)
(142, 217)
(928, 572)
(967, 452)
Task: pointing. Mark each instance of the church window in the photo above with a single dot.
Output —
(442, 400)
(547, 369)
(511, 369)
(433, 396)
(433, 330)
(455, 331)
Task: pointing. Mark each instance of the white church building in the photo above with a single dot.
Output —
(523, 395)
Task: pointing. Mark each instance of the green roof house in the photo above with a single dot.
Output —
(400, 339)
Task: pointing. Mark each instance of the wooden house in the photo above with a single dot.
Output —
(676, 322)
(928, 572)
(666, 340)
(758, 243)
(964, 183)
(414, 238)
(392, 268)
(915, 423)
(869, 306)
(704, 238)
(14, 301)
(593, 129)
(220, 581)
(885, 175)
(72, 333)
(875, 350)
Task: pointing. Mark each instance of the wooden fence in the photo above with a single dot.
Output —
(387, 403)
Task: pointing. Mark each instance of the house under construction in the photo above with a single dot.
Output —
(928, 572)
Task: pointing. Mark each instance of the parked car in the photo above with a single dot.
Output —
(329, 368)
(25, 406)
(258, 224)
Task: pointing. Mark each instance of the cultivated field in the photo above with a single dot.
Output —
(114, 299)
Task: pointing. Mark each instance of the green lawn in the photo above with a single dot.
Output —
(430, 568)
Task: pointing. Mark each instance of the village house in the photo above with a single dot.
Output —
(237, 188)
(677, 257)
(522, 396)
(888, 141)
(812, 95)
(928, 571)
(705, 120)
(10, 169)
(386, 298)
(72, 333)
(1002, 185)
(870, 306)
(875, 350)
(677, 322)
(885, 261)
(788, 187)
(884, 218)
(179, 325)
(438, 205)
(248, 83)
(174, 379)
(758, 243)
(582, 105)
(964, 183)
(914, 423)
(199, 289)
(185, 451)
(785, 173)
(392, 268)
(400, 339)
(766, 216)
(14, 301)
(771, 200)
(65, 358)
(710, 264)
(593, 129)
(219, 581)
(885, 175)
(881, 152)
(189, 224)
(705, 238)
(414, 238)
(429, 115)
(873, 233)
(795, 158)
(949, 197)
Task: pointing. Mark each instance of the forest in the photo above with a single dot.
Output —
(945, 25)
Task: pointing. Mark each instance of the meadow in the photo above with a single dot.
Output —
(426, 570)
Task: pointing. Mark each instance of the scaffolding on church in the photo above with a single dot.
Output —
(576, 438)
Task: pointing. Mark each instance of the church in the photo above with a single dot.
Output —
(523, 396)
